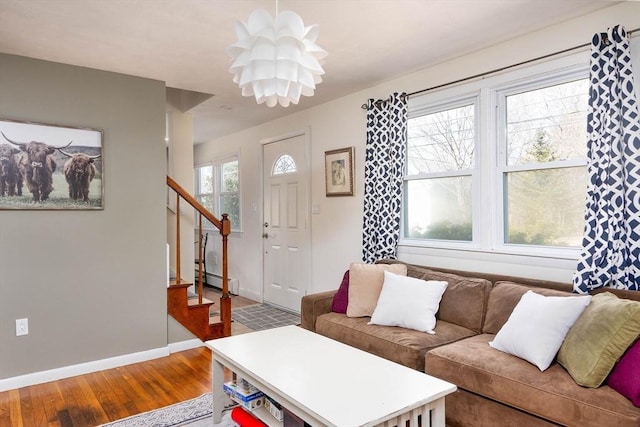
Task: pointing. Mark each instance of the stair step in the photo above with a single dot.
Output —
(182, 284)
(193, 302)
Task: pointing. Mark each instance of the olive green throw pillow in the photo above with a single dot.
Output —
(602, 333)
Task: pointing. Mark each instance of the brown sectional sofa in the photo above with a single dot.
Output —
(494, 388)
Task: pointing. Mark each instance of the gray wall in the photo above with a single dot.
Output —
(91, 283)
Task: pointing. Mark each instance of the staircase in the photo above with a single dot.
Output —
(193, 313)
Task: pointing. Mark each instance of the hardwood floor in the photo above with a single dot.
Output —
(109, 395)
(100, 397)
(237, 301)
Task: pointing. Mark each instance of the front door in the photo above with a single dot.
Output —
(286, 232)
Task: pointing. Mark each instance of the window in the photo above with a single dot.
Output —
(204, 190)
(544, 168)
(218, 189)
(284, 164)
(229, 191)
(440, 163)
(499, 165)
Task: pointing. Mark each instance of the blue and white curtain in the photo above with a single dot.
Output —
(383, 176)
(611, 244)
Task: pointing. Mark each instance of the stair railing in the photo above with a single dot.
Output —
(224, 226)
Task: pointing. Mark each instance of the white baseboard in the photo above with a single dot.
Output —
(95, 366)
(185, 345)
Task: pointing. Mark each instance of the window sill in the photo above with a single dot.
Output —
(537, 266)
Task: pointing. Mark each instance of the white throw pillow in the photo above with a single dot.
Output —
(408, 302)
(537, 327)
(365, 283)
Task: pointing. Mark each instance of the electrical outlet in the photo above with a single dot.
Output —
(22, 327)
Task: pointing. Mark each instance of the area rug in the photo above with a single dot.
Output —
(192, 413)
(259, 317)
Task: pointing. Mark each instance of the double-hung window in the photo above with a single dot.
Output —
(441, 144)
(499, 165)
(542, 162)
(218, 189)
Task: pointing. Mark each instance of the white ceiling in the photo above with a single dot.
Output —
(183, 42)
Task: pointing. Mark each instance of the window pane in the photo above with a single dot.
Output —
(230, 176)
(204, 180)
(439, 209)
(230, 204)
(207, 202)
(284, 164)
(442, 141)
(545, 207)
(547, 124)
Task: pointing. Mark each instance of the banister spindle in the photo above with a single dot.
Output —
(178, 278)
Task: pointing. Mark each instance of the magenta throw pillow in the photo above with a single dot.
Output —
(341, 298)
(625, 376)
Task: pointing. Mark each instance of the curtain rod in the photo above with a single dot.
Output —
(497, 70)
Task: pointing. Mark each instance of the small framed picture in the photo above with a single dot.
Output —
(338, 169)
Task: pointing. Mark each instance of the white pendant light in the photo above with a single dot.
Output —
(276, 60)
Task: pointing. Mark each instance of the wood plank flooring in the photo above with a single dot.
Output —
(101, 397)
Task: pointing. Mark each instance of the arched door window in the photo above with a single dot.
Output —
(284, 164)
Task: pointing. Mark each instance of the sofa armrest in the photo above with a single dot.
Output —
(313, 306)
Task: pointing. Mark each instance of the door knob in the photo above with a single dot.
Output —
(266, 224)
(265, 235)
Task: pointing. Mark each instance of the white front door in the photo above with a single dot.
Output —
(286, 233)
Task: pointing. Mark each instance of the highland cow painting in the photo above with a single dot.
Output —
(46, 166)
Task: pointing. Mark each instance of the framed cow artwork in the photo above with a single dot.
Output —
(44, 166)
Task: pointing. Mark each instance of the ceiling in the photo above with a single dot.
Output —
(183, 42)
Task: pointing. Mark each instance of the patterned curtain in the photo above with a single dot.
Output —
(383, 176)
(611, 243)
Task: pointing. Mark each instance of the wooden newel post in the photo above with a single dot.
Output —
(225, 299)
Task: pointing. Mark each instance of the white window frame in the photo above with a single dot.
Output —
(502, 168)
(488, 241)
(217, 182)
(216, 165)
(462, 99)
(197, 190)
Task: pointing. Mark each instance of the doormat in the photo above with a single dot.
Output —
(259, 317)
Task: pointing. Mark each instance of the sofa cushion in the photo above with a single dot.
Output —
(400, 345)
(474, 366)
(599, 338)
(464, 302)
(503, 299)
(365, 283)
(537, 327)
(408, 302)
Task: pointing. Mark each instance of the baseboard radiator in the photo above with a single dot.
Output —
(215, 280)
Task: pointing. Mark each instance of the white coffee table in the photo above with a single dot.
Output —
(325, 382)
